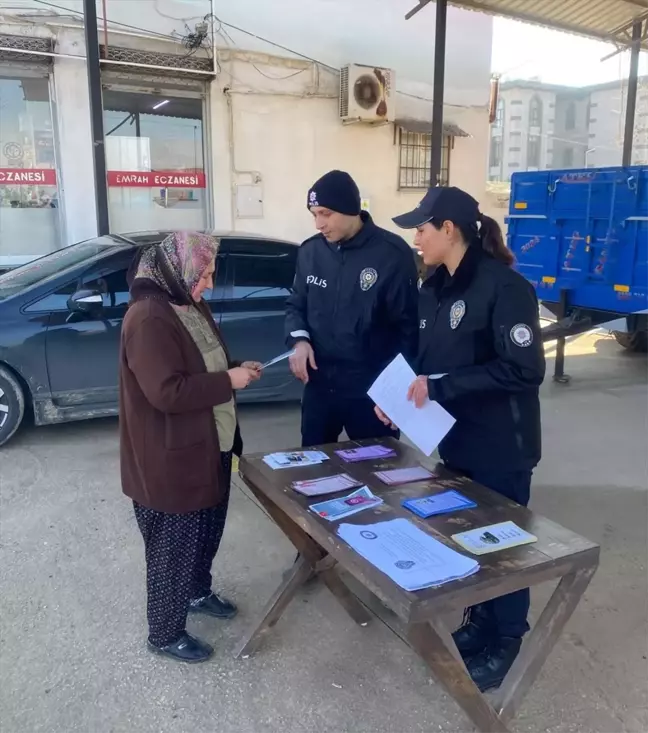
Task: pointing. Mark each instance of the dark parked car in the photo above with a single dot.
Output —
(61, 316)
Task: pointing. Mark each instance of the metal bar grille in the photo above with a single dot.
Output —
(414, 160)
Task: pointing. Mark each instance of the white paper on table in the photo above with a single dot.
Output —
(409, 556)
(427, 426)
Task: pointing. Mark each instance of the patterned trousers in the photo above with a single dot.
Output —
(179, 550)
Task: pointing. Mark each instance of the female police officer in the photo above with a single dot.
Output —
(481, 357)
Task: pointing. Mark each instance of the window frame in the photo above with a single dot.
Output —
(422, 147)
(237, 249)
(536, 111)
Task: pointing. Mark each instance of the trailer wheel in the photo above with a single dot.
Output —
(636, 341)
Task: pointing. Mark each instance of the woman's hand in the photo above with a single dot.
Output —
(255, 366)
(383, 418)
(418, 391)
(241, 376)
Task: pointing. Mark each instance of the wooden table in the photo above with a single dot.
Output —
(417, 617)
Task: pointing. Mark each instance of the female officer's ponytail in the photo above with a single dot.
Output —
(492, 240)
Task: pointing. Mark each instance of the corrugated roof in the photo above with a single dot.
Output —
(606, 20)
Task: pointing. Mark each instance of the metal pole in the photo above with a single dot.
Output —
(631, 103)
(96, 115)
(437, 94)
(559, 366)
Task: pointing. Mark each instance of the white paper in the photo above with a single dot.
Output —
(409, 556)
(427, 426)
(281, 357)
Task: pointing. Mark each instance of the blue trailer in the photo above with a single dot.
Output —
(581, 238)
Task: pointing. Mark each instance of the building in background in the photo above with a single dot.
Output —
(229, 133)
(543, 126)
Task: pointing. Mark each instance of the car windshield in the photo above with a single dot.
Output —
(42, 269)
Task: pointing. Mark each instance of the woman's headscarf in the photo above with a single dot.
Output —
(177, 264)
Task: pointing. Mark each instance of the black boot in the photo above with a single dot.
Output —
(489, 668)
(186, 649)
(214, 605)
(476, 633)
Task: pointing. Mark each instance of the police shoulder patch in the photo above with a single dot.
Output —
(522, 335)
(368, 278)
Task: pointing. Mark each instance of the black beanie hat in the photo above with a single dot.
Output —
(337, 191)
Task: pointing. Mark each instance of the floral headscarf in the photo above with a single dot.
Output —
(177, 264)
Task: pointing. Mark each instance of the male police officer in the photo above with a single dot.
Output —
(353, 309)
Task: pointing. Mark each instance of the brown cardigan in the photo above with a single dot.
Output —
(170, 458)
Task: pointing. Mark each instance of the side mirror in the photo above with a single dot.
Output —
(89, 302)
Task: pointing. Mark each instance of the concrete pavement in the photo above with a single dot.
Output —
(72, 655)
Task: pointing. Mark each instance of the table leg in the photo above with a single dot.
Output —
(541, 640)
(347, 600)
(298, 575)
(434, 649)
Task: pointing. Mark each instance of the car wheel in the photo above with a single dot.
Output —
(12, 405)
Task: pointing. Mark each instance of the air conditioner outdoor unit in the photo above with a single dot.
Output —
(367, 94)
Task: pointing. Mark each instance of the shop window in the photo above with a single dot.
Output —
(29, 202)
(415, 158)
(155, 157)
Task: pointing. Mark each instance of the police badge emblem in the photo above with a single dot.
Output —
(368, 278)
(457, 312)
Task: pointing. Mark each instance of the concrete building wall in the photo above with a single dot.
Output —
(271, 121)
(285, 135)
(517, 130)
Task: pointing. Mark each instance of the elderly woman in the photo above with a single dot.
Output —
(179, 429)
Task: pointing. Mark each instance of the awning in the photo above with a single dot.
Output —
(605, 20)
(411, 125)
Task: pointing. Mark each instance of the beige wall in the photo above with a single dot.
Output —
(283, 136)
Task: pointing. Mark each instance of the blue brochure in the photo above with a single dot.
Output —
(443, 503)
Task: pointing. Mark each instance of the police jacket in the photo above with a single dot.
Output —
(480, 329)
(357, 304)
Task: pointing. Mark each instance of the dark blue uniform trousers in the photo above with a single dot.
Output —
(326, 413)
(509, 612)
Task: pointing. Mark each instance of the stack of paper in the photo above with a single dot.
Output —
(410, 557)
(326, 485)
(365, 453)
(404, 475)
(345, 506)
(295, 459)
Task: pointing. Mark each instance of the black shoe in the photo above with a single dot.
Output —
(213, 605)
(476, 633)
(489, 668)
(186, 649)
